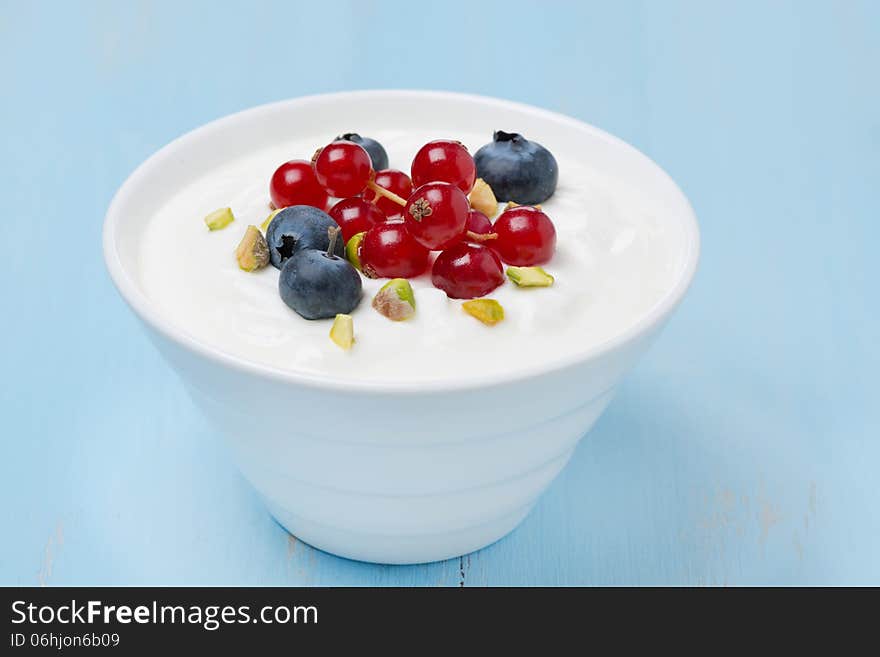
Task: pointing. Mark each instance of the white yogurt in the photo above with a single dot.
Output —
(616, 258)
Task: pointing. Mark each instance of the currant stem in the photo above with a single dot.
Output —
(333, 235)
(391, 196)
(481, 237)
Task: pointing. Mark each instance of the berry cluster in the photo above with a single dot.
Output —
(391, 221)
(388, 224)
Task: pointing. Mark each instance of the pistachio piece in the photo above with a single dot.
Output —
(352, 249)
(395, 300)
(511, 204)
(252, 252)
(342, 331)
(483, 199)
(219, 218)
(529, 276)
(268, 220)
(488, 311)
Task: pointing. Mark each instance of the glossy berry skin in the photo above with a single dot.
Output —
(355, 215)
(517, 169)
(389, 251)
(294, 183)
(436, 214)
(467, 271)
(343, 168)
(318, 286)
(374, 149)
(296, 228)
(526, 236)
(394, 181)
(444, 160)
(478, 223)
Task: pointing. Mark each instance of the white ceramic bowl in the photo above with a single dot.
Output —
(429, 471)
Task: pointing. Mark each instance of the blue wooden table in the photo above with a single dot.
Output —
(744, 449)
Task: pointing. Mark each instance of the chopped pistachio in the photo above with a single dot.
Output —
(395, 300)
(352, 250)
(268, 220)
(512, 204)
(253, 251)
(488, 311)
(219, 218)
(529, 276)
(342, 331)
(483, 199)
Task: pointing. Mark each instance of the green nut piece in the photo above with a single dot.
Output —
(268, 220)
(483, 199)
(395, 300)
(352, 249)
(511, 204)
(342, 331)
(488, 311)
(529, 276)
(219, 218)
(252, 252)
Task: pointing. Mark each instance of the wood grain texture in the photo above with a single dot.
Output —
(742, 450)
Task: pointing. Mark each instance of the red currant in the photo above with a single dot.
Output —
(394, 181)
(343, 168)
(444, 160)
(294, 183)
(436, 214)
(389, 251)
(478, 223)
(355, 215)
(466, 271)
(526, 236)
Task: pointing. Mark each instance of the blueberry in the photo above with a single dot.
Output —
(317, 284)
(296, 228)
(517, 169)
(376, 151)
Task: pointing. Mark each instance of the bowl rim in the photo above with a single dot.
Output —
(146, 310)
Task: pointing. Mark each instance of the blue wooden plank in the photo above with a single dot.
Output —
(742, 450)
